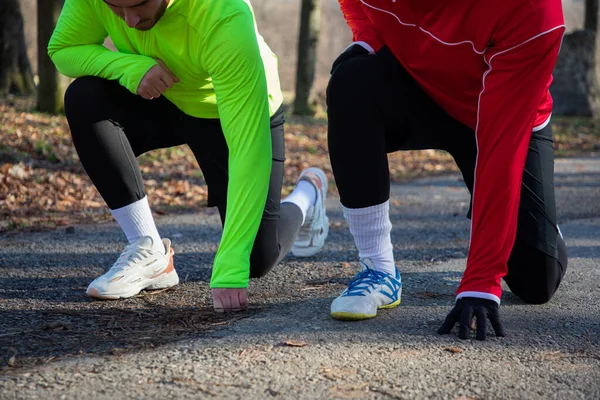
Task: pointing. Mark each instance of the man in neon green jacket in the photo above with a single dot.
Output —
(193, 72)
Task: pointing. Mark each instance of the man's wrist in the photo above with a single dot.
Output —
(479, 295)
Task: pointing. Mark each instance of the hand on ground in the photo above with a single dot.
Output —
(226, 300)
(465, 310)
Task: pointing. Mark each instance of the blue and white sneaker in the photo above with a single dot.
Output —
(367, 292)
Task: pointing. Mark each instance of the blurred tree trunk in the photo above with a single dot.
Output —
(52, 84)
(310, 21)
(15, 71)
(594, 80)
(591, 15)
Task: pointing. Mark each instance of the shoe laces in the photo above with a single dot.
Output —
(131, 254)
(365, 280)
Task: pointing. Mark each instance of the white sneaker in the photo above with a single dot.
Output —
(138, 267)
(367, 292)
(315, 228)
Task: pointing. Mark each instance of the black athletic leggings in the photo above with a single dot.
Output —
(111, 126)
(375, 108)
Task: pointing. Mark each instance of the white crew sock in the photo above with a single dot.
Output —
(136, 221)
(304, 196)
(371, 228)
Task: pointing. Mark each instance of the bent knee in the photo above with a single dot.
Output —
(84, 95)
(353, 70)
(533, 294)
(80, 90)
(353, 78)
(535, 280)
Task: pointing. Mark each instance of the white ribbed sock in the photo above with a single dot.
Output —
(371, 228)
(136, 221)
(304, 196)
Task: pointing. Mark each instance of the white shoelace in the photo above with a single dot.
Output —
(130, 255)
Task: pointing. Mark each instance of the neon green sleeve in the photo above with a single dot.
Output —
(232, 57)
(76, 48)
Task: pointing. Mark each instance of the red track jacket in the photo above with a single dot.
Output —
(489, 65)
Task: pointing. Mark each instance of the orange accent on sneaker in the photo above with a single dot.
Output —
(314, 179)
(170, 267)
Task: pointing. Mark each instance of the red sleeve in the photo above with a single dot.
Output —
(513, 87)
(362, 28)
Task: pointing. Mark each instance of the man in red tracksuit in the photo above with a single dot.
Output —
(471, 78)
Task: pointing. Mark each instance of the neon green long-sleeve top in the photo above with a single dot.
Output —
(226, 71)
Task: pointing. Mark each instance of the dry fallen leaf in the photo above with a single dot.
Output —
(57, 326)
(349, 391)
(116, 351)
(333, 373)
(453, 350)
(12, 360)
(294, 343)
(43, 185)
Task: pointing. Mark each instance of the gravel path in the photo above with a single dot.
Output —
(55, 343)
